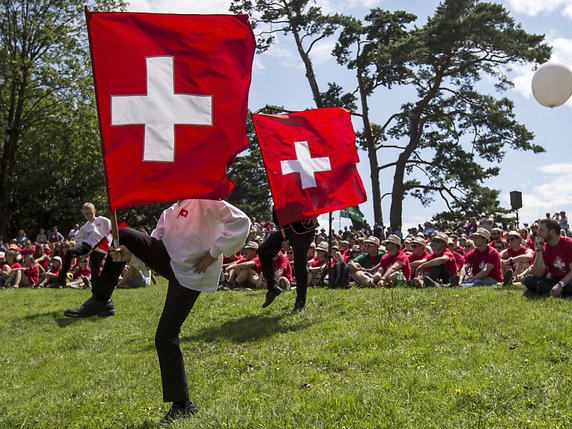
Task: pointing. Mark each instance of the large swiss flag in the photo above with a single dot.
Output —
(172, 98)
(310, 160)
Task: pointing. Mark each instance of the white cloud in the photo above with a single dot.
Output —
(179, 6)
(534, 7)
(322, 51)
(551, 195)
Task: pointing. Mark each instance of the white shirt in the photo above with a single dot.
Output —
(191, 228)
(94, 230)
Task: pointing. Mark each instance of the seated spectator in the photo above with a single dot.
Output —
(440, 267)
(134, 277)
(564, 227)
(54, 236)
(245, 271)
(282, 272)
(30, 272)
(41, 238)
(42, 258)
(459, 258)
(552, 267)
(317, 266)
(468, 246)
(364, 266)
(10, 276)
(418, 254)
(496, 234)
(28, 249)
(483, 262)
(50, 277)
(73, 232)
(81, 277)
(21, 237)
(526, 239)
(394, 266)
(311, 252)
(515, 260)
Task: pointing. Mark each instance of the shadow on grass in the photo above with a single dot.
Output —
(247, 328)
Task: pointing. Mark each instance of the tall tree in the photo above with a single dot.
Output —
(454, 136)
(43, 72)
(303, 19)
(375, 49)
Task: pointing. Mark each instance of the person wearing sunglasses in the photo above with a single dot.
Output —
(439, 268)
(516, 259)
(482, 264)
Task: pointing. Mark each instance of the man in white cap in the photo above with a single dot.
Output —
(418, 253)
(245, 271)
(364, 266)
(394, 266)
(440, 267)
(483, 262)
(516, 259)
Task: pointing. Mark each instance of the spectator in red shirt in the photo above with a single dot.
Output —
(393, 266)
(317, 265)
(516, 259)
(49, 278)
(440, 267)
(459, 258)
(30, 272)
(11, 276)
(419, 253)
(483, 262)
(552, 267)
(244, 272)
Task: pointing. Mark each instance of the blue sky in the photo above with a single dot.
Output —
(544, 179)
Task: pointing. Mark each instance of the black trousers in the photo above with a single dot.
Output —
(543, 286)
(178, 305)
(440, 274)
(104, 280)
(300, 244)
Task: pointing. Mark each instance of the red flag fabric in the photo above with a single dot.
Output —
(310, 159)
(172, 98)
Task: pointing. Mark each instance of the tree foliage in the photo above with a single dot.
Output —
(453, 136)
(46, 112)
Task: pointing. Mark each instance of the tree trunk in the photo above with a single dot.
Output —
(310, 75)
(371, 152)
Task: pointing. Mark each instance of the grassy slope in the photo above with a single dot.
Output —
(434, 358)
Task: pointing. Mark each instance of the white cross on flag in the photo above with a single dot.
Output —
(172, 97)
(310, 159)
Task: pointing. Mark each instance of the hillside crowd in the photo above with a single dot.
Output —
(472, 252)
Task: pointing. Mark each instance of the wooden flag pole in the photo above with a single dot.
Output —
(114, 229)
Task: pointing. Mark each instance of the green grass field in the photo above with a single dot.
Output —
(393, 358)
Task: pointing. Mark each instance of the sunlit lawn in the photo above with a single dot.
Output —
(400, 358)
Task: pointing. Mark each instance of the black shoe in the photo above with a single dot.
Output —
(176, 412)
(271, 296)
(507, 277)
(92, 307)
(299, 307)
(455, 281)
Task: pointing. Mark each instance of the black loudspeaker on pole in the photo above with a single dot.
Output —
(516, 203)
(516, 200)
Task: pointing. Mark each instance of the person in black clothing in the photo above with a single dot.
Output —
(299, 236)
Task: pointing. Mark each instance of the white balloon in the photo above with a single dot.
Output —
(552, 84)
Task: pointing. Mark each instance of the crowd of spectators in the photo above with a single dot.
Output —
(472, 252)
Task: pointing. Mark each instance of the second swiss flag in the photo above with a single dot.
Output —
(310, 160)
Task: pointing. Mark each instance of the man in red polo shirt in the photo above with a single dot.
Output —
(440, 267)
(419, 253)
(554, 257)
(393, 266)
(516, 259)
(483, 262)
